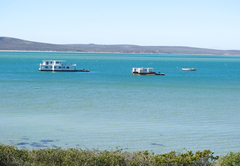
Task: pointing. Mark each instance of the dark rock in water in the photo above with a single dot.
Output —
(60, 129)
(157, 144)
(35, 144)
(46, 141)
(54, 146)
(12, 142)
(22, 143)
(25, 138)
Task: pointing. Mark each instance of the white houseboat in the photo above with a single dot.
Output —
(59, 65)
(145, 71)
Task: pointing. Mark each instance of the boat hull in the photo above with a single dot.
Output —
(136, 73)
(160, 74)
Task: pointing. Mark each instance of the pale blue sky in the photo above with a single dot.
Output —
(194, 23)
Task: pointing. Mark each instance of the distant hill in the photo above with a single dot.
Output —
(7, 43)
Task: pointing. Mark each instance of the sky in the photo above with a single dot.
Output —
(194, 23)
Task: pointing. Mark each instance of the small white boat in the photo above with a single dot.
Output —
(58, 65)
(189, 69)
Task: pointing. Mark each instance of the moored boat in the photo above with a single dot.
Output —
(161, 74)
(145, 71)
(189, 69)
(59, 66)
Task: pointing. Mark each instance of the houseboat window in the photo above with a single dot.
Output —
(59, 67)
(57, 62)
(47, 63)
(54, 67)
(46, 67)
(67, 67)
(50, 66)
(51, 62)
(64, 67)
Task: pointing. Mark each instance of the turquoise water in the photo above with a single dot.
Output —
(109, 107)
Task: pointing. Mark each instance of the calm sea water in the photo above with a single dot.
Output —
(109, 107)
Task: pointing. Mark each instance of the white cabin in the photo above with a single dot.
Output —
(56, 65)
(142, 70)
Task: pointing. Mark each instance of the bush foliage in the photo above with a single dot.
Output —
(10, 155)
(232, 159)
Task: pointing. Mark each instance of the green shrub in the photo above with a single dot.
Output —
(231, 159)
(10, 155)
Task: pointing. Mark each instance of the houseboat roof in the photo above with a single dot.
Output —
(55, 60)
(143, 68)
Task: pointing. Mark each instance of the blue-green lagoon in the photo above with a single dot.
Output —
(109, 107)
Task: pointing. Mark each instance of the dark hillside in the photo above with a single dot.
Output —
(7, 43)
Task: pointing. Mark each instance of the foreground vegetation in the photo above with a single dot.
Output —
(10, 155)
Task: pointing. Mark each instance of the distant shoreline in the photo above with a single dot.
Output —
(13, 44)
(114, 52)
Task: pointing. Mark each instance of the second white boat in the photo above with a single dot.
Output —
(189, 69)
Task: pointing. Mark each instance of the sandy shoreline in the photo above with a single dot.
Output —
(112, 52)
